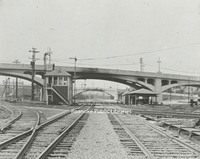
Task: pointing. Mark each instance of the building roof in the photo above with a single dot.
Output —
(58, 72)
(125, 93)
(121, 91)
(143, 92)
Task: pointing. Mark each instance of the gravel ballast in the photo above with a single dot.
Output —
(97, 140)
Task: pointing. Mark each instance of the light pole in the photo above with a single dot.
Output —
(33, 71)
(75, 59)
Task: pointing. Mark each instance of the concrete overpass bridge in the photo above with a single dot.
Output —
(113, 93)
(156, 82)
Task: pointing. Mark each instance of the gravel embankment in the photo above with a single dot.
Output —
(97, 140)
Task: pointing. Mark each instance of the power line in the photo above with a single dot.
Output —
(85, 64)
(169, 69)
(126, 64)
(140, 53)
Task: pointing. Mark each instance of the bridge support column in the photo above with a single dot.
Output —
(44, 90)
(70, 92)
(41, 94)
(158, 89)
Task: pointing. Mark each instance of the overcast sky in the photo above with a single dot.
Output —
(111, 33)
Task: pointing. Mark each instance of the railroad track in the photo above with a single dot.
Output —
(7, 114)
(132, 146)
(17, 145)
(144, 140)
(63, 143)
(16, 136)
(23, 120)
(43, 135)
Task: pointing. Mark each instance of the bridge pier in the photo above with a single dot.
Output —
(70, 93)
(158, 89)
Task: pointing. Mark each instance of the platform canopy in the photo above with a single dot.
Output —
(143, 92)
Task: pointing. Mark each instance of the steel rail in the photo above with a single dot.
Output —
(38, 120)
(36, 130)
(138, 142)
(18, 137)
(15, 138)
(61, 136)
(9, 123)
(56, 118)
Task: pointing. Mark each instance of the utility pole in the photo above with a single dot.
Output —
(34, 51)
(16, 84)
(49, 52)
(45, 69)
(45, 61)
(75, 59)
(159, 62)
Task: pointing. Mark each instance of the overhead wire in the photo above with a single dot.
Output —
(174, 70)
(125, 55)
(139, 53)
(126, 64)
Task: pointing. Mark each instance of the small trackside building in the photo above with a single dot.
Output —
(140, 96)
(58, 87)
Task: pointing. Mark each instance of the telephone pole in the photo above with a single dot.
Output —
(75, 59)
(159, 62)
(34, 51)
(141, 65)
(48, 53)
(16, 82)
(45, 70)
